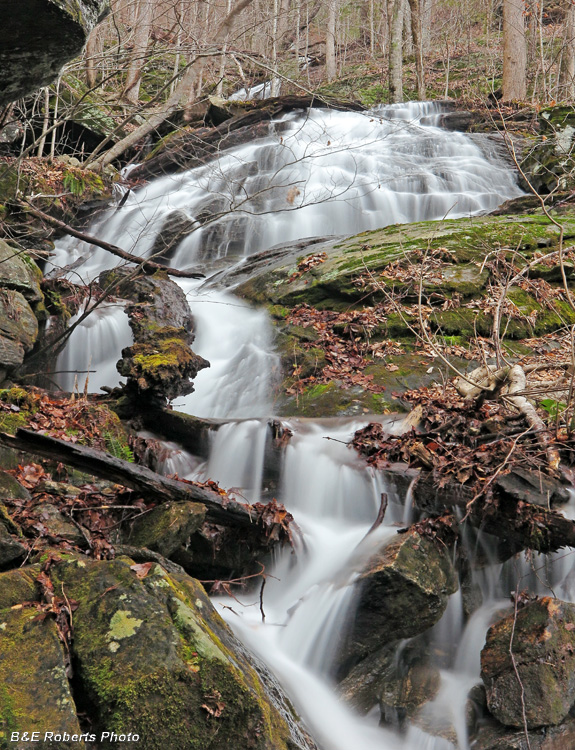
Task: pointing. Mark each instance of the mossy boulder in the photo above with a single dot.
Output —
(167, 527)
(35, 693)
(542, 641)
(402, 591)
(154, 658)
(160, 364)
(38, 37)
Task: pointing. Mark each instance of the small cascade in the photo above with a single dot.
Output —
(318, 172)
(85, 362)
(238, 342)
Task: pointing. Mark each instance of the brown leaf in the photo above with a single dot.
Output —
(141, 569)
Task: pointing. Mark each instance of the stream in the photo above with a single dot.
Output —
(319, 172)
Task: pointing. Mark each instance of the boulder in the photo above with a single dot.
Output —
(153, 657)
(542, 640)
(549, 161)
(402, 592)
(167, 527)
(35, 695)
(38, 37)
(399, 679)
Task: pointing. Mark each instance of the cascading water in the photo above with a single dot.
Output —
(318, 172)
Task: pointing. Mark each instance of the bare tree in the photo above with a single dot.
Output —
(330, 61)
(395, 10)
(567, 74)
(514, 51)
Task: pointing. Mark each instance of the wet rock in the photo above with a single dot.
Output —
(400, 678)
(167, 527)
(176, 226)
(35, 695)
(544, 652)
(153, 657)
(38, 37)
(403, 591)
(494, 736)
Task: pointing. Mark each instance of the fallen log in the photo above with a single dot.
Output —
(220, 509)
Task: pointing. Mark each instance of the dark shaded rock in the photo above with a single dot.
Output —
(10, 548)
(167, 527)
(403, 591)
(534, 487)
(544, 652)
(398, 678)
(494, 736)
(35, 695)
(176, 226)
(57, 525)
(220, 552)
(38, 37)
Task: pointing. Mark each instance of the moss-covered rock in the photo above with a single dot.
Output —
(35, 694)
(167, 527)
(543, 646)
(160, 364)
(154, 658)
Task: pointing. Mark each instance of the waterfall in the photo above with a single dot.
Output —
(318, 172)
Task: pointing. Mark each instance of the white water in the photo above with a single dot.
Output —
(319, 172)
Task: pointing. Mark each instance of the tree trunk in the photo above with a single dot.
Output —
(567, 77)
(143, 24)
(417, 32)
(395, 46)
(92, 55)
(514, 51)
(330, 61)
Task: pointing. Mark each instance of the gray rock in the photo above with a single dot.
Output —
(543, 650)
(19, 272)
(403, 591)
(17, 321)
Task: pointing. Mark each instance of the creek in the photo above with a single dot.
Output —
(318, 172)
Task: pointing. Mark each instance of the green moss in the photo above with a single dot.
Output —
(11, 422)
